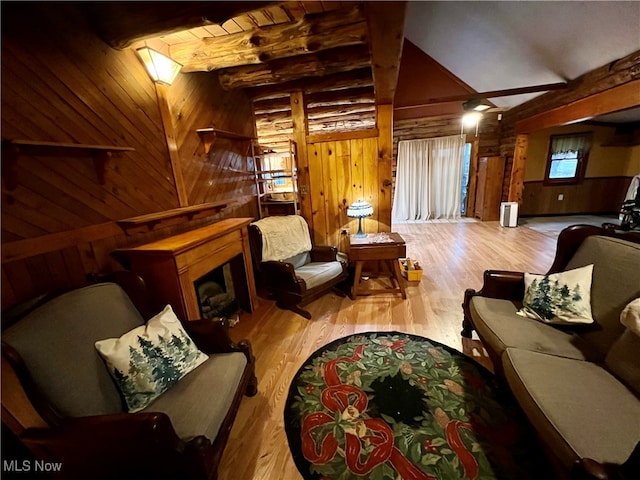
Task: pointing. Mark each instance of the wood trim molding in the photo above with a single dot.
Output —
(172, 146)
(385, 153)
(617, 98)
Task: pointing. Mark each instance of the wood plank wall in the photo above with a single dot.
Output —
(340, 173)
(61, 83)
(595, 195)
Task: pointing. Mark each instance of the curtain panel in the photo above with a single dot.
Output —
(429, 179)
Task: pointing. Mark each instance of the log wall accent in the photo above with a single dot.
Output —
(340, 110)
(596, 195)
(61, 83)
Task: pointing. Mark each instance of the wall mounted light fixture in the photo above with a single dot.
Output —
(161, 68)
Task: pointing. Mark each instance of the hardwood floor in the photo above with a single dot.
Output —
(454, 256)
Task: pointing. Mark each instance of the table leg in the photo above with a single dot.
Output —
(399, 279)
(356, 279)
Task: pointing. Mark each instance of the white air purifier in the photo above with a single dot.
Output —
(509, 214)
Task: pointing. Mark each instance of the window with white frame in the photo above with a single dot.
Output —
(567, 159)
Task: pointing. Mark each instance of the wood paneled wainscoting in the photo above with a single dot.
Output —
(593, 195)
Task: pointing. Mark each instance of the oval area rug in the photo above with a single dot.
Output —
(390, 405)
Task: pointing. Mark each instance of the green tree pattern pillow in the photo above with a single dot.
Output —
(560, 298)
(150, 359)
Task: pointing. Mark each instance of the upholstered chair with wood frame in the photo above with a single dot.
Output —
(290, 267)
(62, 403)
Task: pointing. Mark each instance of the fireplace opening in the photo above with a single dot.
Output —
(216, 293)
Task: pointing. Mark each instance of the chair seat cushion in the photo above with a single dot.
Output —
(318, 273)
(498, 324)
(579, 408)
(199, 402)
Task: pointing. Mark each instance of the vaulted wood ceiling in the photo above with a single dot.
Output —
(344, 56)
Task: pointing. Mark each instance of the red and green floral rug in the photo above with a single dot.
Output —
(389, 405)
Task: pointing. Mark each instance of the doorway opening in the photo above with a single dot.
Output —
(465, 178)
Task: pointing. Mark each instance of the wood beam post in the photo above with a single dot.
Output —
(386, 29)
(385, 152)
(172, 146)
(300, 130)
(516, 182)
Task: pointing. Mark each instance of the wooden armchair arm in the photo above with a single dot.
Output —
(503, 284)
(212, 336)
(282, 276)
(99, 446)
(500, 284)
(589, 469)
(324, 254)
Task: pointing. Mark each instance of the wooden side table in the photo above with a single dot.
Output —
(384, 247)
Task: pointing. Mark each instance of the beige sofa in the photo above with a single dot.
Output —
(578, 386)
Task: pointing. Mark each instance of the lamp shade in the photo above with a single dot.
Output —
(359, 209)
(161, 68)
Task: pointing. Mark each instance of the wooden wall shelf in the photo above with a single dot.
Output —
(13, 149)
(208, 135)
(170, 217)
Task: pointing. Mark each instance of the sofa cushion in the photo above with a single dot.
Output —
(562, 298)
(623, 360)
(500, 327)
(150, 359)
(579, 409)
(196, 410)
(616, 281)
(75, 320)
(318, 273)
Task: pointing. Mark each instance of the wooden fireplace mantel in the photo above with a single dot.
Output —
(171, 266)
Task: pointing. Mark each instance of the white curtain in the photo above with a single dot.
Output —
(429, 178)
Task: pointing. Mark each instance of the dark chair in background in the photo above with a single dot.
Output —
(290, 268)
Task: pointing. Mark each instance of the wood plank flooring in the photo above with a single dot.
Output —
(454, 256)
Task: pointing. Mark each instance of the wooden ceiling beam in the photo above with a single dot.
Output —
(120, 24)
(386, 30)
(617, 98)
(289, 69)
(339, 81)
(312, 33)
(491, 94)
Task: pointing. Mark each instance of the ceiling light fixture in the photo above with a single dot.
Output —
(475, 104)
(161, 68)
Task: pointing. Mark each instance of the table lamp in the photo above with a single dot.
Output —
(359, 210)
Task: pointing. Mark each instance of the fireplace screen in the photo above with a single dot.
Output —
(216, 295)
